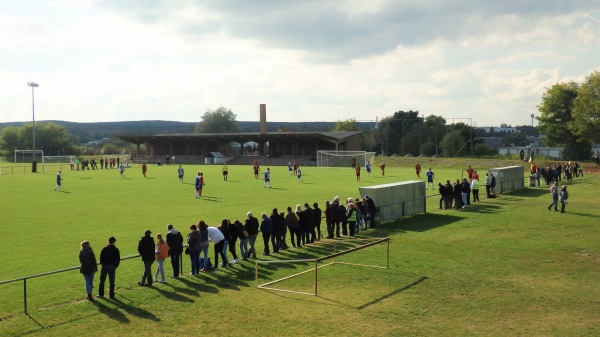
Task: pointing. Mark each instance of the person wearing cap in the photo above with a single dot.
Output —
(109, 259)
(146, 248)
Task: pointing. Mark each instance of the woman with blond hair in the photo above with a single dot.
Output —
(88, 267)
(162, 252)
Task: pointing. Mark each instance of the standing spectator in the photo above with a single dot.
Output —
(531, 154)
(351, 215)
(465, 190)
(88, 267)
(162, 252)
(267, 178)
(343, 219)
(522, 154)
(449, 194)
(337, 219)
(266, 227)
(318, 216)
(372, 210)
(243, 240)
(144, 169)
(110, 258)
(203, 245)
(418, 170)
(225, 170)
(58, 182)
(224, 228)
(218, 240)
(429, 175)
(442, 191)
(310, 223)
(475, 189)
(180, 173)
(457, 189)
(194, 248)
(303, 224)
(199, 184)
(493, 183)
(283, 233)
(252, 228)
(554, 194)
(329, 219)
(146, 248)
(564, 198)
(291, 220)
(278, 223)
(234, 234)
(488, 185)
(175, 244)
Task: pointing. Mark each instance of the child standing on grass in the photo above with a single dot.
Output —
(162, 252)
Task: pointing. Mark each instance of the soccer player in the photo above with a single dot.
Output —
(357, 172)
(122, 170)
(180, 172)
(299, 175)
(199, 184)
(418, 170)
(256, 169)
(290, 167)
(144, 169)
(382, 167)
(225, 171)
(267, 178)
(368, 167)
(430, 175)
(58, 182)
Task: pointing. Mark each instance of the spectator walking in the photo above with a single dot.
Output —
(564, 198)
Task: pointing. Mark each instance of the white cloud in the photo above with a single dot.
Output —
(307, 60)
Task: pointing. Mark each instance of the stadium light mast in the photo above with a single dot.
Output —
(33, 85)
(532, 115)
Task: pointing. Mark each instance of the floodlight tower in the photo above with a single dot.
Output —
(33, 85)
(532, 115)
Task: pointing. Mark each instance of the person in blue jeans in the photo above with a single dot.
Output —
(554, 193)
(146, 248)
(110, 258)
(88, 267)
(194, 248)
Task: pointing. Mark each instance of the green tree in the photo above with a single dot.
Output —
(220, 120)
(556, 117)
(483, 150)
(11, 137)
(349, 124)
(586, 110)
(452, 143)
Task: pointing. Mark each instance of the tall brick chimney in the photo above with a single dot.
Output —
(263, 119)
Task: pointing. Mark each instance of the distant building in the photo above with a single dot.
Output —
(499, 129)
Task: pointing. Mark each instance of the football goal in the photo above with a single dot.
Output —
(58, 159)
(310, 286)
(26, 156)
(333, 158)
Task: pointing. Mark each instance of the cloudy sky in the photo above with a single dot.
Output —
(308, 60)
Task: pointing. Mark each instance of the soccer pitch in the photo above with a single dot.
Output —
(506, 266)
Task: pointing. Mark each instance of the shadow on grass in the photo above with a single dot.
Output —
(423, 278)
(530, 192)
(134, 310)
(111, 313)
(173, 296)
(418, 223)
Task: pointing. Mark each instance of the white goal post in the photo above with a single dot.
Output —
(58, 159)
(333, 158)
(29, 157)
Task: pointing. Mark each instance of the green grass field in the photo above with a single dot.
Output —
(506, 266)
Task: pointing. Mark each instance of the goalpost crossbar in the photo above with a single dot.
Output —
(316, 261)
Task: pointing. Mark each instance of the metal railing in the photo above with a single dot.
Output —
(25, 278)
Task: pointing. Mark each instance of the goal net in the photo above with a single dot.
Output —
(26, 156)
(58, 159)
(332, 158)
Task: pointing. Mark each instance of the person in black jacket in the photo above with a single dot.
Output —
(457, 195)
(146, 248)
(175, 243)
(449, 194)
(110, 258)
(310, 223)
(252, 229)
(318, 215)
(442, 191)
(278, 225)
(88, 267)
(234, 234)
(372, 210)
(335, 211)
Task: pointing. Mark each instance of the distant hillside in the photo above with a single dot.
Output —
(93, 131)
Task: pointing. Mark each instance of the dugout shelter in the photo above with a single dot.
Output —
(508, 178)
(397, 200)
